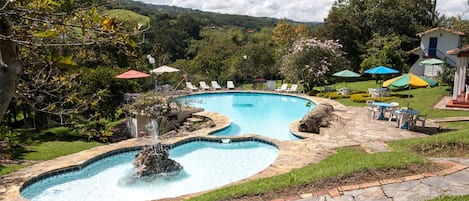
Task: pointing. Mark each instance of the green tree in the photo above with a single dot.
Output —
(353, 23)
(42, 40)
(384, 50)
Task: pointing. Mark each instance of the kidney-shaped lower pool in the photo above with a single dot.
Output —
(207, 165)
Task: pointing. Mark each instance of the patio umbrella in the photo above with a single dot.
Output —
(381, 70)
(132, 74)
(409, 81)
(432, 62)
(346, 73)
(163, 69)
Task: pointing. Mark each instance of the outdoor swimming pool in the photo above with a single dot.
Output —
(254, 113)
(206, 165)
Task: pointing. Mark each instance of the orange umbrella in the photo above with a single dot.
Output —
(132, 74)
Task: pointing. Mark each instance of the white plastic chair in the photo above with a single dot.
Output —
(392, 111)
(215, 85)
(372, 109)
(203, 85)
(191, 87)
(230, 85)
(293, 88)
(282, 88)
(421, 118)
(344, 91)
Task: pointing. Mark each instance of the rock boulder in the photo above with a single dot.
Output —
(316, 118)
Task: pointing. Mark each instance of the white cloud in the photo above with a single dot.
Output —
(299, 10)
(453, 8)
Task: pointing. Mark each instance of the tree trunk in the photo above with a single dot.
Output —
(9, 66)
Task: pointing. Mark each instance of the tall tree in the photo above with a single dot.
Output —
(353, 23)
(384, 50)
(42, 35)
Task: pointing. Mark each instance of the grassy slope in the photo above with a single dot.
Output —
(130, 18)
(346, 161)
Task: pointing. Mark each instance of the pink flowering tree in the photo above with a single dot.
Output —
(312, 62)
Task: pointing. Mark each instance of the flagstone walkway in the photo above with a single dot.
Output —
(451, 181)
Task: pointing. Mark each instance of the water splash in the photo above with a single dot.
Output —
(153, 128)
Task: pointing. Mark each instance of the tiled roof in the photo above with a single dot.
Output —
(460, 50)
(414, 51)
(440, 28)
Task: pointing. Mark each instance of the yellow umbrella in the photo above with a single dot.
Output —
(407, 81)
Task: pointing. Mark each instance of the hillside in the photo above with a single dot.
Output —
(205, 18)
(130, 18)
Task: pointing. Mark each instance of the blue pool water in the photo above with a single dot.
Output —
(254, 113)
(207, 165)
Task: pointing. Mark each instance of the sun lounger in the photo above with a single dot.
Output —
(191, 87)
(215, 85)
(282, 88)
(230, 85)
(293, 88)
(203, 85)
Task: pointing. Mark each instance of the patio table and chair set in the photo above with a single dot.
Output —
(405, 117)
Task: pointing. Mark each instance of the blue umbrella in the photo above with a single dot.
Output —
(381, 70)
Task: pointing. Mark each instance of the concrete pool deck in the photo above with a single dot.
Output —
(351, 128)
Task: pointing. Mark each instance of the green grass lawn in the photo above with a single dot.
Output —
(451, 198)
(54, 149)
(346, 161)
(5, 169)
(46, 151)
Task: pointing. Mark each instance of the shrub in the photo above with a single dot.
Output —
(95, 130)
(363, 97)
(331, 95)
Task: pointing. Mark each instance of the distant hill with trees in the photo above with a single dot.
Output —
(205, 18)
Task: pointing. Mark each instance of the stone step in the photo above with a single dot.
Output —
(194, 119)
(375, 147)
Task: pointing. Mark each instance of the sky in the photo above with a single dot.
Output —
(298, 10)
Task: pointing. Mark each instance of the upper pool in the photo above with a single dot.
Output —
(254, 113)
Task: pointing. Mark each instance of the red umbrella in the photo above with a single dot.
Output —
(132, 74)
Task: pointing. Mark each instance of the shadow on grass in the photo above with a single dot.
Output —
(17, 152)
(404, 96)
(431, 130)
(31, 136)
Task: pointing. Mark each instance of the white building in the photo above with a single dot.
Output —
(434, 43)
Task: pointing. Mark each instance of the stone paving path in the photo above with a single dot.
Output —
(452, 181)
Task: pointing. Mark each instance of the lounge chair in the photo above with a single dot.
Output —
(230, 85)
(203, 85)
(293, 88)
(215, 85)
(191, 87)
(282, 88)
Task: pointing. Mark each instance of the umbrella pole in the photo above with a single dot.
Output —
(408, 98)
